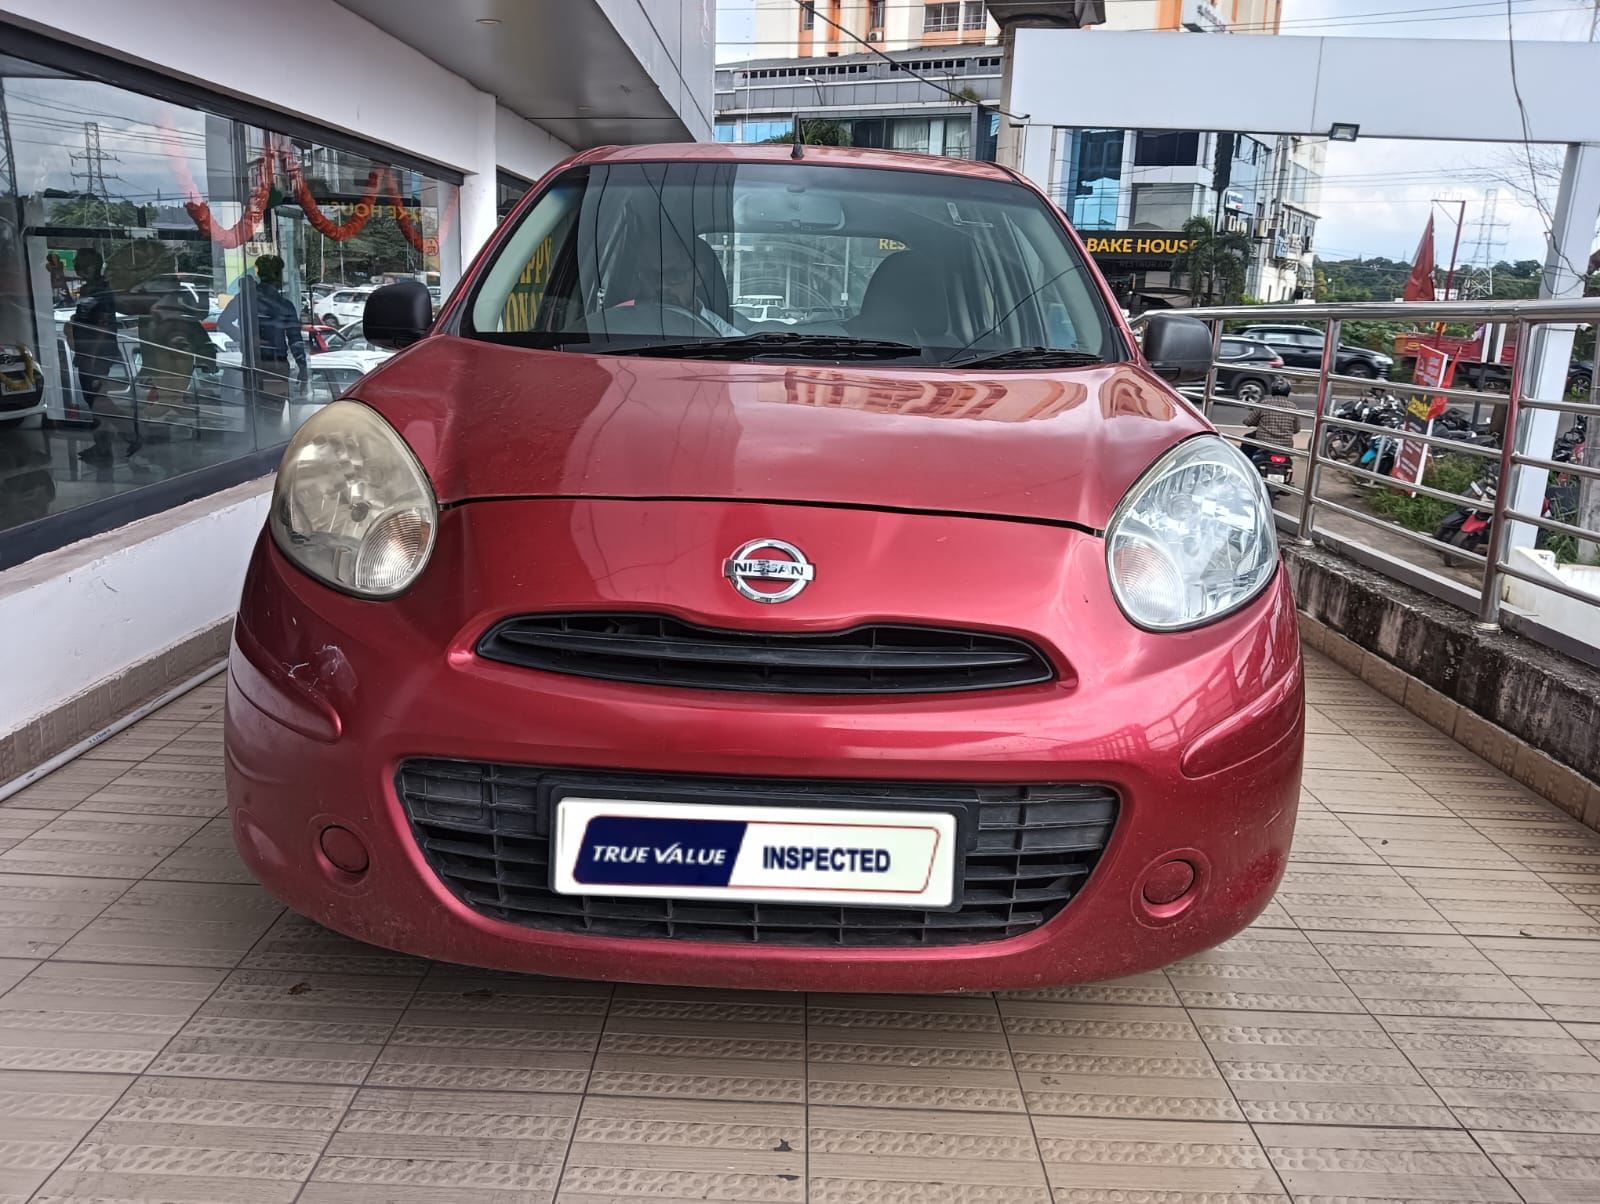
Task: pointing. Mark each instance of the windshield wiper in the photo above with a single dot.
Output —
(1023, 357)
(767, 342)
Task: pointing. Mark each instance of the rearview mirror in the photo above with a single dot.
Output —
(770, 208)
(397, 315)
(1178, 348)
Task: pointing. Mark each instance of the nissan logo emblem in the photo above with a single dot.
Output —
(768, 560)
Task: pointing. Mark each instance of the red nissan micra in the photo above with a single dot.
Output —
(922, 640)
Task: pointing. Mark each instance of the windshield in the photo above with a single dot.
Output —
(922, 266)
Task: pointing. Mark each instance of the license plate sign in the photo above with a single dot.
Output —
(763, 854)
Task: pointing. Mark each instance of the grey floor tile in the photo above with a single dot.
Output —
(1298, 1067)
(69, 785)
(295, 944)
(1381, 1165)
(190, 1139)
(43, 1116)
(98, 846)
(934, 1052)
(671, 1149)
(177, 924)
(1095, 1161)
(906, 1156)
(41, 912)
(95, 1017)
(401, 1146)
(151, 788)
(207, 856)
(298, 1028)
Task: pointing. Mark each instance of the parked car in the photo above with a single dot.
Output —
(764, 309)
(1247, 373)
(914, 651)
(22, 393)
(341, 307)
(1580, 376)
(1301, 347)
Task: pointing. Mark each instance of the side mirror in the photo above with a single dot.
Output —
(397, 315)
(1178, 348)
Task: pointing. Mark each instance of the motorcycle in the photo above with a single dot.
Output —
(1377, 407)
(1469, 527)
(1272, 464)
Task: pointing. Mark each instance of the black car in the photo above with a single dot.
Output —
(1301, 347)
(1248, 374)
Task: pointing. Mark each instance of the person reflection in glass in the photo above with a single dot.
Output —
(279, 337)
(92, 332)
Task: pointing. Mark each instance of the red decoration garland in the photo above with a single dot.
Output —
(379, 179)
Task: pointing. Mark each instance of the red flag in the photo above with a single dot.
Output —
(1419, 285)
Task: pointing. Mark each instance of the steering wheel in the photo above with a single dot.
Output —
(698, 319)
(651, 318)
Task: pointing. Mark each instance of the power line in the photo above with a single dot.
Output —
(896, 65)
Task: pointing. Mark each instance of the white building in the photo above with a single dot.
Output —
(169, 145)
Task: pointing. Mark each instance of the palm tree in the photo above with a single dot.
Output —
(819, 131)
(1215, 261)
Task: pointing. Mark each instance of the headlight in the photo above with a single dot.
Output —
(352, 507)
(1193, 539)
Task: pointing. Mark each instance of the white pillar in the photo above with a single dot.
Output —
(1544, 375)
(479, 214)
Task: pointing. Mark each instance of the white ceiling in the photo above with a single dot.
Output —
(559, 63)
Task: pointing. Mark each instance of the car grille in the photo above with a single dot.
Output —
(660, 651)
(485, 830)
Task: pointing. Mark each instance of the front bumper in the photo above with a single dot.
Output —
(1199, 734)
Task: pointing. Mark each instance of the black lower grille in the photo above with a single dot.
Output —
(661, 651)
(485, 831)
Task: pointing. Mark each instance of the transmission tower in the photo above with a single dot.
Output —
(94, 160)
(1488, 245)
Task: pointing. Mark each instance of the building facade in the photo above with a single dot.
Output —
(1130, 192)
(187, 193)
(1194, 16)
(876, 104)
(831, 28)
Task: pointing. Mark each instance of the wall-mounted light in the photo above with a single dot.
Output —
(488, 20)
(1343, 131)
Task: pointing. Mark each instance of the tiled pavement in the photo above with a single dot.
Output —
(1417, 1017)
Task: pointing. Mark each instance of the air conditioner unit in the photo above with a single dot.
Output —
(874, 35)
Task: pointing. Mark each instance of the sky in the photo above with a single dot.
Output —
(1378, 195)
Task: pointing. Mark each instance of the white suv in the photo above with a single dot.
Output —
(343, 307)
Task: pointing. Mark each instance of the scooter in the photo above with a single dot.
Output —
(1273, 465)
(1272, 460)
(1469, 527)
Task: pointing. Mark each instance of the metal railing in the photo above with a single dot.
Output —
(1325, 510)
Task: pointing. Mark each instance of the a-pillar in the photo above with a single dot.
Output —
(1545, 374)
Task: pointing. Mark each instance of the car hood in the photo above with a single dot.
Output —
(491, 421)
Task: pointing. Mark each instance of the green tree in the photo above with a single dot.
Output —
(95, 213)
(817, 131)
(1215, 261)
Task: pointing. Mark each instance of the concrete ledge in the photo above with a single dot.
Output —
(1530, 712)
(95, 708)
(99, 627)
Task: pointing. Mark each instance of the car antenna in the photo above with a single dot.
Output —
(798, 150)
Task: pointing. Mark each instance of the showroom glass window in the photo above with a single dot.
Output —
(161, 270)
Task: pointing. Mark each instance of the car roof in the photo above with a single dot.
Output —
(853, 156)
(1283, 326)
